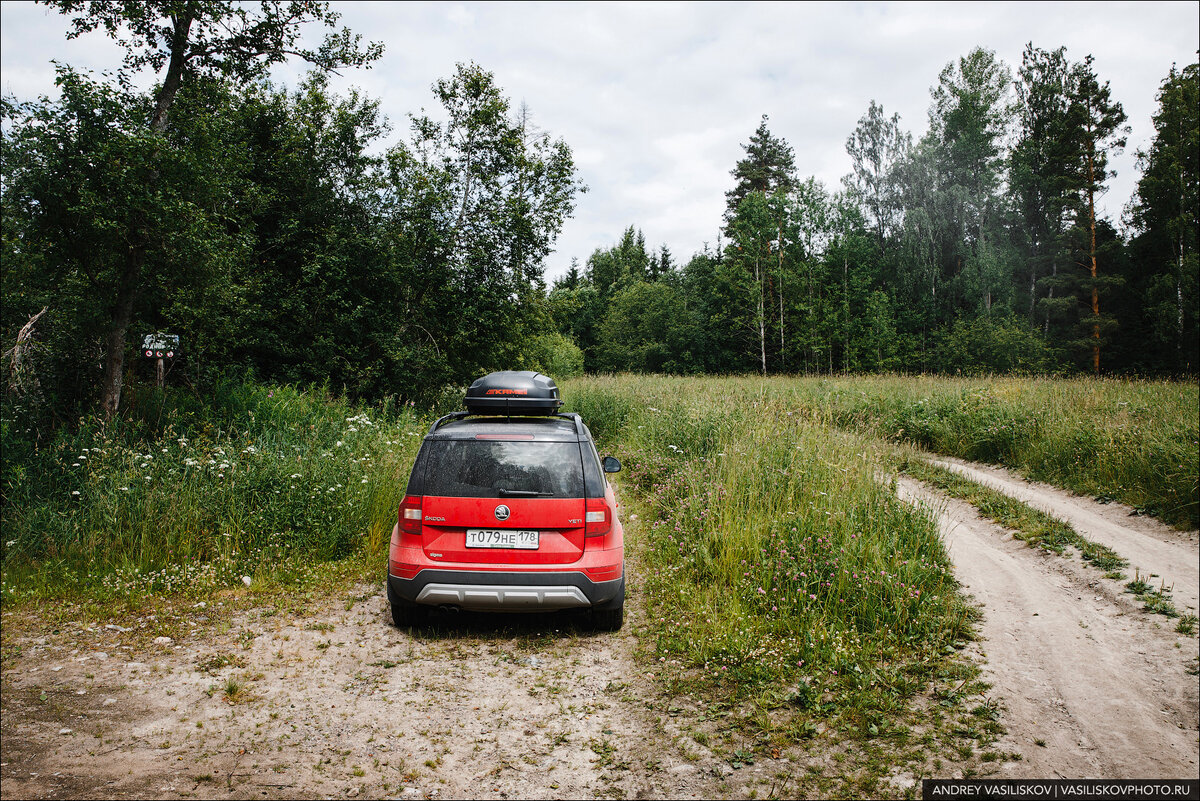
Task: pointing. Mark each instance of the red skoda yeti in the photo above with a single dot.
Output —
(508, 509)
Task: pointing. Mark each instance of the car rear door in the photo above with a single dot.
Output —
(498, 499)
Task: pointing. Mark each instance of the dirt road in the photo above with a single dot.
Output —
(338, 703)
(1152, 548)
(1092, 687)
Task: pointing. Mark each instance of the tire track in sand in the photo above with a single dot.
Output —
(1076, 670)
(1149, 545)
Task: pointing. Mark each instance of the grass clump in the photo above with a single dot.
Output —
(1154, 599)
(187, 495)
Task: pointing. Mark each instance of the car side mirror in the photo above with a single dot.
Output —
(611, 465)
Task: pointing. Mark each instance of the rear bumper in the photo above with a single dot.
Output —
(486, 590)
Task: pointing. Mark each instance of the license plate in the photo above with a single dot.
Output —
(501, 538)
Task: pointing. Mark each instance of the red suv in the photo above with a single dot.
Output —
(508, 509)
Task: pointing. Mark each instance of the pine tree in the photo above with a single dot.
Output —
(1097, 127)
(1041, 169)
(769, 166)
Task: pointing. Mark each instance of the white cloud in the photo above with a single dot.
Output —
(656, 98)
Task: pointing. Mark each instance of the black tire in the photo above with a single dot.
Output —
(611, 615)
(608, 619)
(405, 614)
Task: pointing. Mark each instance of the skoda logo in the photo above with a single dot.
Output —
(502, 512)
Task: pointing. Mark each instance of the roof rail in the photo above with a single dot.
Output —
(446, 419)
(579, 429)
(449, 418)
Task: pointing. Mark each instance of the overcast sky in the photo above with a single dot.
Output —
(657, 99)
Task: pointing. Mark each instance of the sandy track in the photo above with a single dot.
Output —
(1150, 546)
(340, 703)
(1075, 664)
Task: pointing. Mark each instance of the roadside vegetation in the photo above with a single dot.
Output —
(786, 589)
(1115, 439)
(1040, 530)
(188, 494)
(786, 586)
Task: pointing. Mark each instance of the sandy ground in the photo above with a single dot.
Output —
(340, 704)
(1092, 687)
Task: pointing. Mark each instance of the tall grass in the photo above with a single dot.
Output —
(190, 492)
(774, 556)
(1133, 441)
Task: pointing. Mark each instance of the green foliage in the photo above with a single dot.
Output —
(201, 44)
(973, 250)
(646, 331)
(1136, 441)
(555, 355)
(1166, 211)
(79, 172)
(875, 148)
(768, 167)
(189, 490)
(471, 209)
(283, 245)
(992, 345)
(216, 38)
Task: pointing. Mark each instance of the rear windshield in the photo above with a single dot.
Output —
(480, 469)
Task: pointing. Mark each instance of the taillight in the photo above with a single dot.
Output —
(410, 514)
(597, 518)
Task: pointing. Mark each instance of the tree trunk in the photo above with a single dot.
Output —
(762, 319)
(845, 314)
(114, 362)
(1179, 279)
(181, 25)
(782, 354)
(1092, 261)
(130, 285)
(1049, 296)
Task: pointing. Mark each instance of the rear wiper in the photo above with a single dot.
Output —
(507, 493)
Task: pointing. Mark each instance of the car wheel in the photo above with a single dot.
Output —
(608, 619)
(611, 615)
(405, 614)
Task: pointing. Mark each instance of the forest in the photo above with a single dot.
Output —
(294, 235)
(976, 249)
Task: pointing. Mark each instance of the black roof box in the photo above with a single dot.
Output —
(512, 392)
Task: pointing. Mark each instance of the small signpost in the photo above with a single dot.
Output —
(159, 347)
